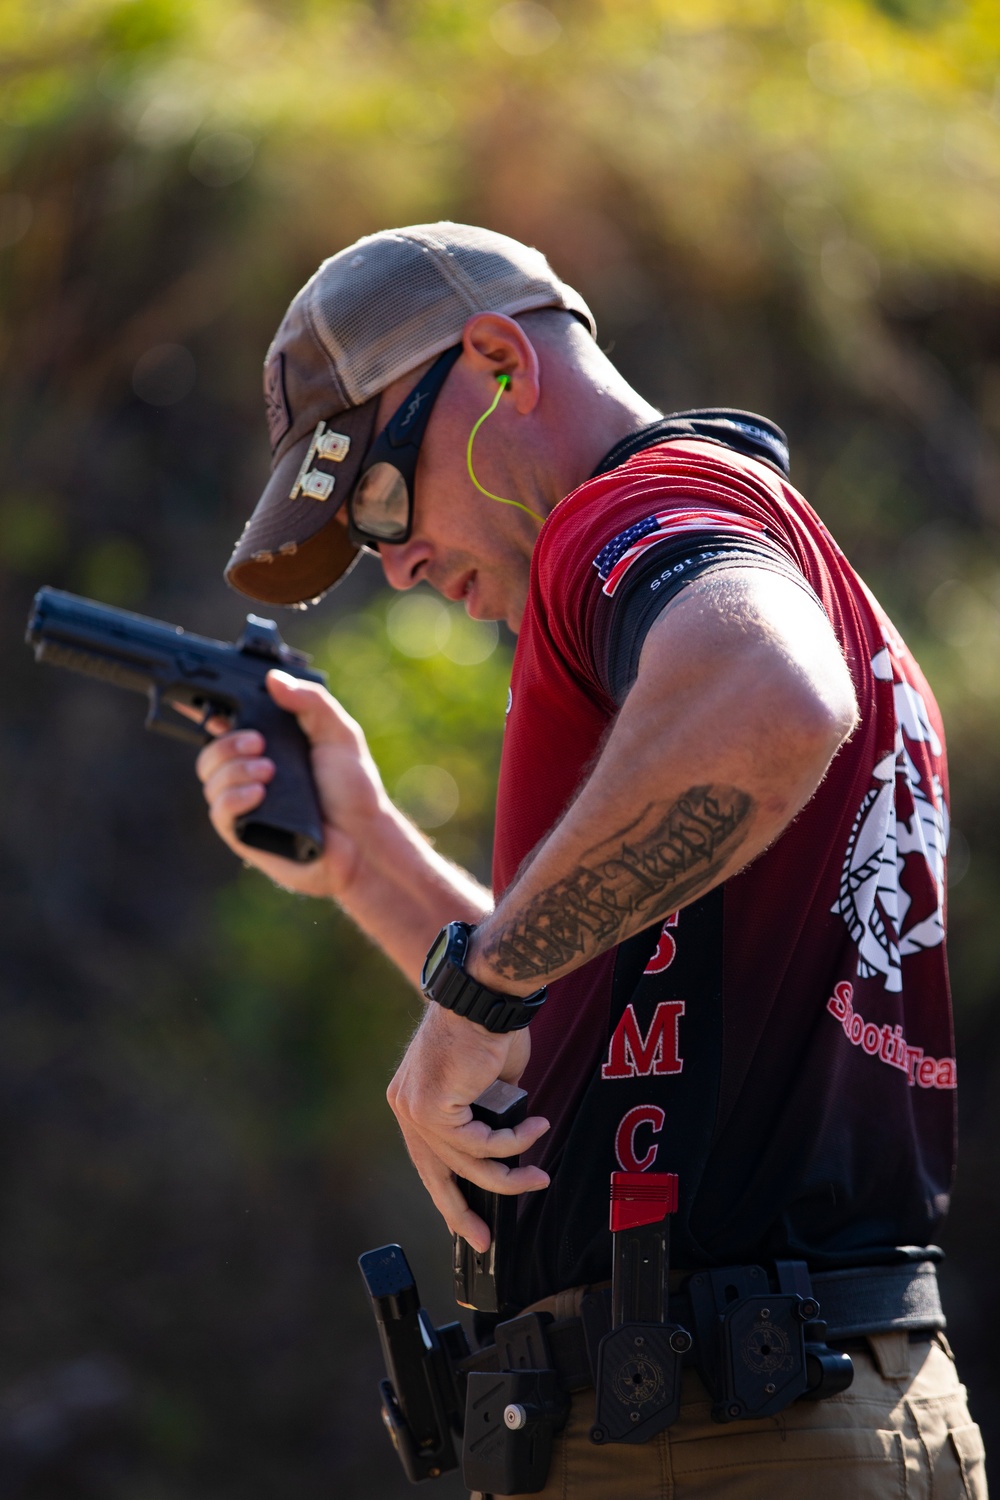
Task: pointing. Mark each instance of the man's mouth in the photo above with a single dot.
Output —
(462, 588)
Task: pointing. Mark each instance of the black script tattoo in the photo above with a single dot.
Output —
(661, 861)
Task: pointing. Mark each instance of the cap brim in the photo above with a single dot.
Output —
(293, 550)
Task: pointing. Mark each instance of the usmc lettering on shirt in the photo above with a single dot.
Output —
(634, 1054)
(627, 1140)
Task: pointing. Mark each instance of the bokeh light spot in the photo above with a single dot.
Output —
(812, 224)
(849, 269)
(167, 119)
(837, 68)
(31, 532)
(416, 623)
(464, 641)
(222, 158)
(16, 214)
(114, 571)
(959, 857)
(428, 794)
(164, 375)
(420, 116)
(524, 28)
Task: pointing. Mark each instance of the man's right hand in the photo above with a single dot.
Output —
(235, 771)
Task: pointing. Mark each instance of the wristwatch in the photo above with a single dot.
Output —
(444, 979)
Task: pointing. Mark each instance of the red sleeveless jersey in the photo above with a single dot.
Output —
(785, 1043)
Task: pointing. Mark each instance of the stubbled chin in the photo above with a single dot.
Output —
(496, 602)
(511, 619)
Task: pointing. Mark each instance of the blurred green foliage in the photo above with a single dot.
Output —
(423, 714)
(787, 205)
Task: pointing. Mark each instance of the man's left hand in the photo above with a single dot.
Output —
(449, 1062)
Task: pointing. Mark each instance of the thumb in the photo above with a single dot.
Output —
(320, 716)
(517, 1056)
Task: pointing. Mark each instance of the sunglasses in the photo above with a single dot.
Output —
(380, 506)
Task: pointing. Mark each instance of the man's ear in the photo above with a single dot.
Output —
(494, 344)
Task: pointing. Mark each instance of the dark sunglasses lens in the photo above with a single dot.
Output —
(380, 504)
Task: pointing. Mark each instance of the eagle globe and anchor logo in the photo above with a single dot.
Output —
(873, 899)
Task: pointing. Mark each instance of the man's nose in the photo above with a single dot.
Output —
(404, 565)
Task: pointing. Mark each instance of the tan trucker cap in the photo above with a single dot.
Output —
(369, 314)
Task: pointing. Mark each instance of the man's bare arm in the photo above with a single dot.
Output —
(664, 859)
(741, 700)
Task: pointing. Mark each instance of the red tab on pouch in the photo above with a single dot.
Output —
(639, 1198)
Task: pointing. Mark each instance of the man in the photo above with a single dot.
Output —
(720, 842)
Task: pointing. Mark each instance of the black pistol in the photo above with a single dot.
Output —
(174, 667)
(482, 1279)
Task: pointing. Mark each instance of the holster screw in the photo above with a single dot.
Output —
(515, 1417)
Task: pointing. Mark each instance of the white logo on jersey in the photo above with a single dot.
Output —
(873, 900)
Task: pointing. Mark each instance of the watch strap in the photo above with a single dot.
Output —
(449, 985)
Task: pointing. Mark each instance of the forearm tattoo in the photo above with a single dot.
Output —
(664, 859)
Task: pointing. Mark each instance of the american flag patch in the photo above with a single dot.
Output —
(617, 556)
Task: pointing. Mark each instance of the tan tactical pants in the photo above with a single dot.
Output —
(901, 1432)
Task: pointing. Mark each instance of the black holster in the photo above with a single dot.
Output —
(512, 1415)
(757, 1349)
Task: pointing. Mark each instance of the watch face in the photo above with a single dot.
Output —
(435, 955)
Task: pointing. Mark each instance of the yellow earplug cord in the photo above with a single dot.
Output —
(502, 382)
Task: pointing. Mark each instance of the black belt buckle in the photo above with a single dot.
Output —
(750, 1341)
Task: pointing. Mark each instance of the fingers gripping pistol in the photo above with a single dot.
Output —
(215, 679)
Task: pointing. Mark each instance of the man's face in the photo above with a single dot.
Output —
(463, 544)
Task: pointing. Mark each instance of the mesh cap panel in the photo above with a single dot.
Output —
(399, 297)
(369, 316)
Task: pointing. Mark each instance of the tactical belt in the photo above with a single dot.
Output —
(759, 1338)
(856, 1302)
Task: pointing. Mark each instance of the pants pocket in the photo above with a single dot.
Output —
(968, 1445)
(953, 1465)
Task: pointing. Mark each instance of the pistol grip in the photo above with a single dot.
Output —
(288, 821)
